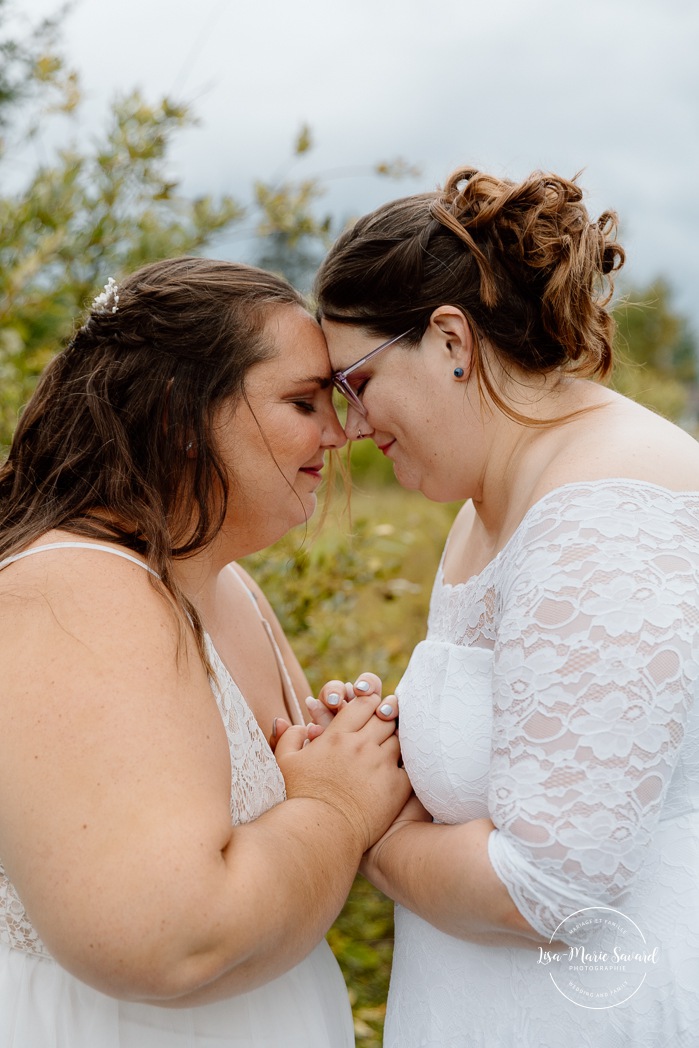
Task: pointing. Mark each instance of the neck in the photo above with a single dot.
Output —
(198, 575)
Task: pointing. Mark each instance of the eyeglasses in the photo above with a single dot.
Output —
(340, 377)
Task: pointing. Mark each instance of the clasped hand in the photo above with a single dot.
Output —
(353, 763)
(332, 697)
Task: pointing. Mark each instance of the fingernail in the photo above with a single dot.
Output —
(333, 699)
(274, 728)
(305, 742)
(312, 703)
(363, 685)
(386, 709)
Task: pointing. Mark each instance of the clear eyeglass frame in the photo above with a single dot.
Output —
(340, 377)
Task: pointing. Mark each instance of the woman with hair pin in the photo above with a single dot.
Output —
(165, 881)
(549, 721)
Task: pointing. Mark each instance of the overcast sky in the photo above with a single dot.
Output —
(607, 86)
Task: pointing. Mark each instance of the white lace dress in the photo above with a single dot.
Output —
(43, 1006)
(555, 693)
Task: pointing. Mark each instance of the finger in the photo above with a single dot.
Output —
(314, 731)
(279, 726)
(332, 695)
(292, 741)
(357, 715)
(388, 710)
(366, 683)
(392, 746)
(320, 714)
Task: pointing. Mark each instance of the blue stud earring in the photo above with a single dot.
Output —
(458, 372)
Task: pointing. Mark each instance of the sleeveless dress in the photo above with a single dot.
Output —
(44, 1006)
(555, 693)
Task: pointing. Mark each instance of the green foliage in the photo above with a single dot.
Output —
(293, 235)
(657, 355)
(92, 212)
(354, 596)
(84, 217)
(30, 65)
(362, 940)
(352, 599)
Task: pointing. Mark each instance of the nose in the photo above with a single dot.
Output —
(334, 435)
(357, 425)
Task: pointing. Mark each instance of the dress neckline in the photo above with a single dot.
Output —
(602, 482)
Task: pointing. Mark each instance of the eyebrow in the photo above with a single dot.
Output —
(323, 381)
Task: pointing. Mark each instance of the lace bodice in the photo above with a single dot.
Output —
(561, 683)
(256, 781)
(555, 693)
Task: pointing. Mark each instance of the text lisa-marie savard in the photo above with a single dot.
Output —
(614, 960)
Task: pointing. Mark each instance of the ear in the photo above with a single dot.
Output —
(452, 330)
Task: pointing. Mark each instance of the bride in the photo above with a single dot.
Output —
(164, 880)
(549, 721)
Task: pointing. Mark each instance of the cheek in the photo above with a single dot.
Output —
(379, 399)
(300, 442)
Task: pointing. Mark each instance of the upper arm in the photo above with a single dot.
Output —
(106, 731)
(595, 673)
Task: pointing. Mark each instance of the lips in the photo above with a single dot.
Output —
(313, 471)
(384, 447)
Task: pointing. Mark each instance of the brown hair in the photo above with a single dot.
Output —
(103, 448)
(530, 271)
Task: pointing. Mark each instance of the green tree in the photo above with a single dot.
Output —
(657, 354)
(100, 210)
(29, 65)
(85, 214)
(293, 236)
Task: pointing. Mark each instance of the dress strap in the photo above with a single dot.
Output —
(76, 545)
(291, 701)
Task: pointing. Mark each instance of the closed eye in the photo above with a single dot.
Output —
(357, 382)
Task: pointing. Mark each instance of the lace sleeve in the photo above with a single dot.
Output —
(595, 670)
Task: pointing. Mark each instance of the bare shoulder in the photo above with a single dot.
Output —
(258, 596)
(247, 581)
(238, 593)
(103, 646)
(76, 591)
(623, 439)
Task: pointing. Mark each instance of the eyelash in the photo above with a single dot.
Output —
(305, 406)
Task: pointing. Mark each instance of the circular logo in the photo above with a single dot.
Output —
(608, 963)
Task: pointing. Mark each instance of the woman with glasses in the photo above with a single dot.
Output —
(164, 881)
(547, 885)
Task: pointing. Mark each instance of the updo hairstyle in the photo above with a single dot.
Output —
(529, 270)
(117, 441)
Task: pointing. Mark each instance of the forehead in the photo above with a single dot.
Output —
(298, 343)
(347, 343)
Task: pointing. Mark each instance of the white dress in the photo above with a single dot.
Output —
(43, 1006)
(556, 694)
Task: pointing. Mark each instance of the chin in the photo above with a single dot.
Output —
(434, 493)
(301, 514)
(410, 483)
(427, 487)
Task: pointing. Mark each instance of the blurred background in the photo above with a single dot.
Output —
(139, 130)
